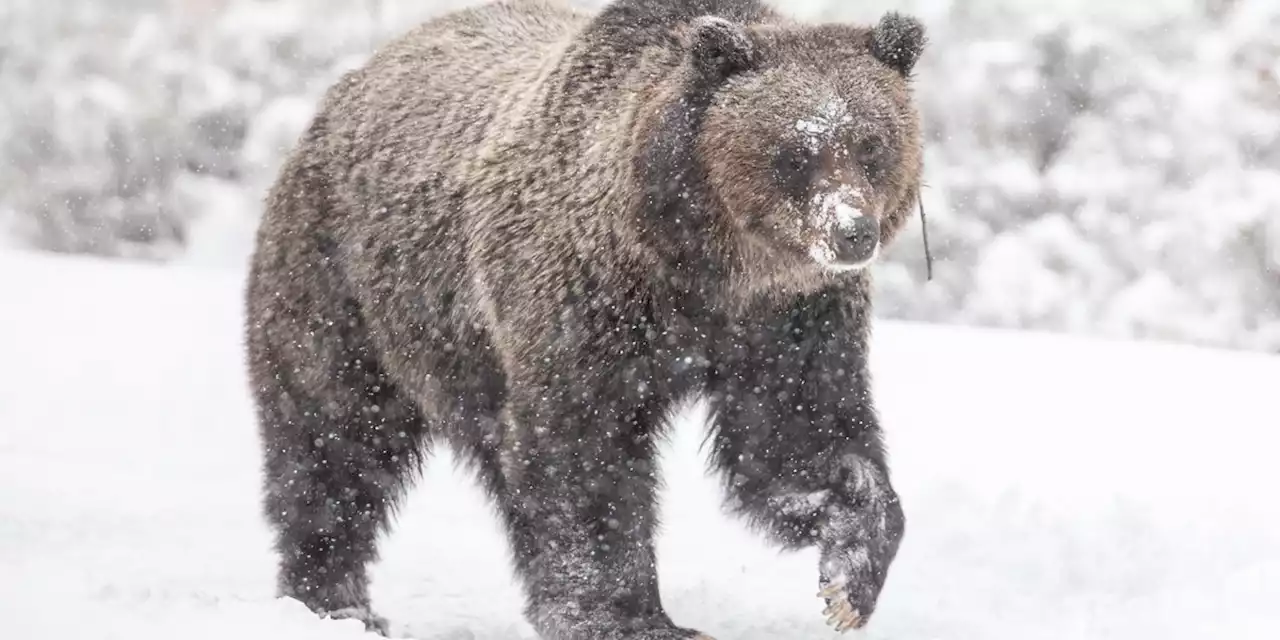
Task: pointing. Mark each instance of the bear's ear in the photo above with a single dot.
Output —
(720, 48)
(898, 41)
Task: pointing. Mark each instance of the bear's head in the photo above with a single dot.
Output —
(810, 142)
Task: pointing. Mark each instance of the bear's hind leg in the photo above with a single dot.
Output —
(340, 442)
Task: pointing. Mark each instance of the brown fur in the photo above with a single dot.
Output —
(531, 232)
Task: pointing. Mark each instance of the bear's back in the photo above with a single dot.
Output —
(371, 191)
(397, 136)
(446, 80)
(422, 106)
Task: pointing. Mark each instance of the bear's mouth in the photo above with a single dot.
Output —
(843, 254)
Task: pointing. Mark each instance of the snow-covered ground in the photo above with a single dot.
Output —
(1055, 488)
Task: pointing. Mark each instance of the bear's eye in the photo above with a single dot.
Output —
(871, 155)
(793, 166)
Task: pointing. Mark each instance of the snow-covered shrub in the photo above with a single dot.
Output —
(1101, 178)
(121, 121)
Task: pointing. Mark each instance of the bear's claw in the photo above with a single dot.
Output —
(840, 612)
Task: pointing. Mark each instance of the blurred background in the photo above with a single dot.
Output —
(1098, 168)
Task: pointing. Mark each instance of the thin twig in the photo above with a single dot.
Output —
(924, 230)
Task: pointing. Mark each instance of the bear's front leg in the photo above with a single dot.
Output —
(799, 444)
(858, 535)
(579, 482)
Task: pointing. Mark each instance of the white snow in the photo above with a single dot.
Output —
(828, 116)
(823, 253)
(1055, 488)
(837, 208)
(845, 214)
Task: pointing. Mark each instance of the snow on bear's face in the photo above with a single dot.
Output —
(816, 154)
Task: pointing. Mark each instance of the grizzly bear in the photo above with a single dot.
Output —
(530, 232)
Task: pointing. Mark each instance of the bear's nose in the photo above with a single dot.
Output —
(862, 237)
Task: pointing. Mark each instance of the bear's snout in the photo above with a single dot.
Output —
(853, 229)
(860, 239)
